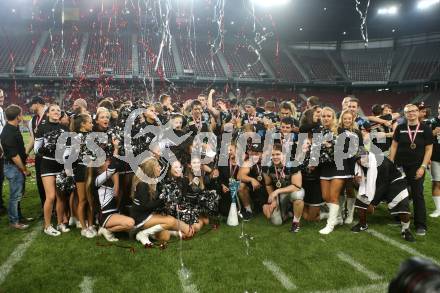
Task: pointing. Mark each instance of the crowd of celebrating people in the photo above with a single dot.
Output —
(298, 175)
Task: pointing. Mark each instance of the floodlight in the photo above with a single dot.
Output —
(390, 10)
(424, 4)
(268, 3)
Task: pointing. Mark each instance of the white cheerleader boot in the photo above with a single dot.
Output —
(340, 217)
(331, 221)
(350, 208)
(143, 236)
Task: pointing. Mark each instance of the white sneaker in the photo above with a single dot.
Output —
(63, 228)
(349, 219)
(51, 231)
(339, 221)
(435, 214)
(107, 235)
(86, 233)
(73, 221)
(78, 225)
(327, 229)
(142, 237)
(92, 231)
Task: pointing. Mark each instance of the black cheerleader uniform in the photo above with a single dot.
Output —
(144, 204)
(328, 167)
(46, 145)
(311, 176)
(106, 194)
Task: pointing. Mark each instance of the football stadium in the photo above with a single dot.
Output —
(220, 146)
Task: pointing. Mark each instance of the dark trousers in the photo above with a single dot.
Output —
(416, 195)
(40, 185)
(2, 178)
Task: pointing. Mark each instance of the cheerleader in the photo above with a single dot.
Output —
(45, 145)
(348, 126)
(102, 120)
(226, 173)
(310, 124)
(195, 173)
(83, 124)
(283, 185)
(181, 203)
(332, 179)
(102, 183)
(146, 204)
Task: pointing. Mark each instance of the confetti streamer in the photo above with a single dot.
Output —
(363, 16)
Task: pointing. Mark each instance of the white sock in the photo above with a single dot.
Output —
(153, 230)
(296, 220)
(436, 202)
(405, 226)
(248, 208)
(174, 233)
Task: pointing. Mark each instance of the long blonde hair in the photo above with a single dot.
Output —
(147, 167)
(353, 125)
(334, 126)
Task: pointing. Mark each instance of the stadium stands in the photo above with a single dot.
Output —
(368, 65)
(108, 51)
(318, 65)
(57, 59)
(283, 67)
(16, 50)
(243, 62)
(424, 62)
(196, 56)
(148, 48)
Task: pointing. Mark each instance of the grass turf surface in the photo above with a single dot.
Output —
(217, 259)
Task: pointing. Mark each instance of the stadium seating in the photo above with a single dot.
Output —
(243, 62)
(424, 62)
(148, 48)
(366, 65)
(282, 66)
(108, 51)
(57, 59)
(16, 50)
(318, 65)
(196, 56)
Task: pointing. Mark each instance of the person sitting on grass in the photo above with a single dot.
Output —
(283, 184)
(381, 182)
(146, 204)
(102, 183)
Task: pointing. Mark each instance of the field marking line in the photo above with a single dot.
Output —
(184, 277)
(86, 285)
(279, 274)
(358, 266)
(18, 253)
(399, 245)
(379, 288)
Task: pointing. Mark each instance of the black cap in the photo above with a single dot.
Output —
(36, 100)
(256, 147)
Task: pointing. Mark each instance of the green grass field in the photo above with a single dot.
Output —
(217, 259)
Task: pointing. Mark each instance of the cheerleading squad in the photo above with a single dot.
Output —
(190, 193)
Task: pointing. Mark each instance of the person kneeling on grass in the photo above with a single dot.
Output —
(283, 184)
(103, 183)
(381, 182)
(146, 203)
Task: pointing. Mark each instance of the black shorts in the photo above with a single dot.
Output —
(50, 168)
(313, 195)
(397, 198)
(80, 173)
